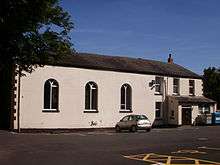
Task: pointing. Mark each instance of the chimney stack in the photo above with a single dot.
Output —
(170, 59)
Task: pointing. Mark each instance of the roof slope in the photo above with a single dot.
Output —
(193, 99)
(125, 64)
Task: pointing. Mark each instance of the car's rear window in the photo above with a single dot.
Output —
(141, 117)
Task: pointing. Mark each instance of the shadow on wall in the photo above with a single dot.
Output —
(159, 123)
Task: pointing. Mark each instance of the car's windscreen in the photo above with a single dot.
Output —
(141, 117)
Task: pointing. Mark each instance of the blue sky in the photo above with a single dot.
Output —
(151, 29)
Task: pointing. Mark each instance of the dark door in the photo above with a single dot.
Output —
(186, 116)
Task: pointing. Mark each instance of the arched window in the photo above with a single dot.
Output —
(51, 95)
(91, 96)
(126, 98)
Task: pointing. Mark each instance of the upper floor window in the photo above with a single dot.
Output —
(51, 95)
(126, 97)
(176, 86)
(91, 96)
(158, 109)
(159, 85)
(191, 87)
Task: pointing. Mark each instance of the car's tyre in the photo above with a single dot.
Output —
(148, 129)
(133, 128)
(117, 128)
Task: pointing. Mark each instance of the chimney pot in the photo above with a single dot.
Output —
(170, 59)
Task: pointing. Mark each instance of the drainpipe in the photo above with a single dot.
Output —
(19, 93)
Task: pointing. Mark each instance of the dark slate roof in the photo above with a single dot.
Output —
(193, 99)
(125, 64)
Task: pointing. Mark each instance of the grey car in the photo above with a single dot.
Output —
(133, 123)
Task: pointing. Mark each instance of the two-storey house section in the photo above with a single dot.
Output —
(95, 91)
(181, 100)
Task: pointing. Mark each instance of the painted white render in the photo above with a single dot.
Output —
(198, 87)
(184, 86)
(72, 113)
(72, 83)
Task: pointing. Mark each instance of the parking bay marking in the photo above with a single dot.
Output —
(209, 148)
(189, 152)
(170, 160)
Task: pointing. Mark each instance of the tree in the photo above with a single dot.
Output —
(211, 84)
(32, 33)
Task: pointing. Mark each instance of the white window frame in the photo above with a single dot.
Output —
(92, 86)
(178, 86)
(192, 87)
(52, 85)
(202, 109)
(161, 79)
(125, 97)
(91, 89)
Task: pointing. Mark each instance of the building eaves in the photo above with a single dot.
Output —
(125, 64)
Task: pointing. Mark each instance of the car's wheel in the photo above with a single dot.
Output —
(117, 128)
(148, 129)
(133, 128)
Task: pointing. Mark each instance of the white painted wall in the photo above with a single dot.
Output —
(184, 86)
(179, 115)
(72, 83)
(198, 87)
(195, 112)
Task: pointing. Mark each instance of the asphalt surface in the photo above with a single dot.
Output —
(108, 147)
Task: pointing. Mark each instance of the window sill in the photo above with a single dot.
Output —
(90, 111)
(51, 110)
(176, 94)
(160, 94)
(125, 111)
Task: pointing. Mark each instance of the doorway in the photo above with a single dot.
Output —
(186, 115)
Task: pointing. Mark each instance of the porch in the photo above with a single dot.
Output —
(183, 110)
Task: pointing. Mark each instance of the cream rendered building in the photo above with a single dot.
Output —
(96, 91)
